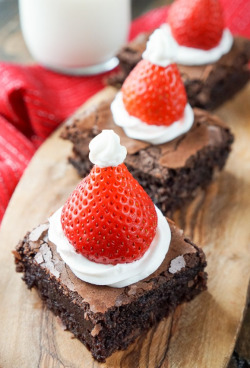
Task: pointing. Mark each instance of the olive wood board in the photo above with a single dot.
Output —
(201, 333)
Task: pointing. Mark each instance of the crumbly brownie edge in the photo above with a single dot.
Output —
(221, 87)
(120, 325)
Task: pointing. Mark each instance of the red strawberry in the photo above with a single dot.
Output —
(109, 218)
(196, 23)
(154, 94)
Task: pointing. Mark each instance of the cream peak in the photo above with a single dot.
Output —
(160, 50)
(106, 150)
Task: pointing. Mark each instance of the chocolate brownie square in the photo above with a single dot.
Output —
(171, 173)
(108, 319)
(207, 86)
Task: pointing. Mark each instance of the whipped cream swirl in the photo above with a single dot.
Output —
(154, 134)
(173, 52)
(120, 275)
(106, 150)
(160, 49)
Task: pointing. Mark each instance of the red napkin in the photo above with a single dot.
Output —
(34, 101)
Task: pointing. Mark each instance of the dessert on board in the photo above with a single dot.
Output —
(213, 64)
(108, 263)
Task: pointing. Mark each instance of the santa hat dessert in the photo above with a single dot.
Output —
(213, 64)
(173, 149)
(109, 264)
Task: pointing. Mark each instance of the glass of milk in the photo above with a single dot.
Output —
(77, 37)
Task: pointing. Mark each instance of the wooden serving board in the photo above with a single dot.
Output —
(201, 333)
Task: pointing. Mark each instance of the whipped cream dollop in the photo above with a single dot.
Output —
(106, 150)
(119, 275)
(160, 49)
(154, 134)
(163, 38)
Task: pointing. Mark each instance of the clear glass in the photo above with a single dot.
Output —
(75, 36)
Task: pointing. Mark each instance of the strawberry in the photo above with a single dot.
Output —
(154, 94)
(196, 23)
(109, 218)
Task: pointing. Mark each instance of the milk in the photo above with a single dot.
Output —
(73, 35)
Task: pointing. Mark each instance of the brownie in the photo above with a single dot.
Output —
(207, 86)
(171, 173)
(108, 319)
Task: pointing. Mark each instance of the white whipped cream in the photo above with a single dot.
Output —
(173, 52)
(160, 49)
(105, 149)
(154, 134)
(120, 275)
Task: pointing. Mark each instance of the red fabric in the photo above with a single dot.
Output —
(34, 101)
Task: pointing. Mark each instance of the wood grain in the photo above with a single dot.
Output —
(201, 333)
